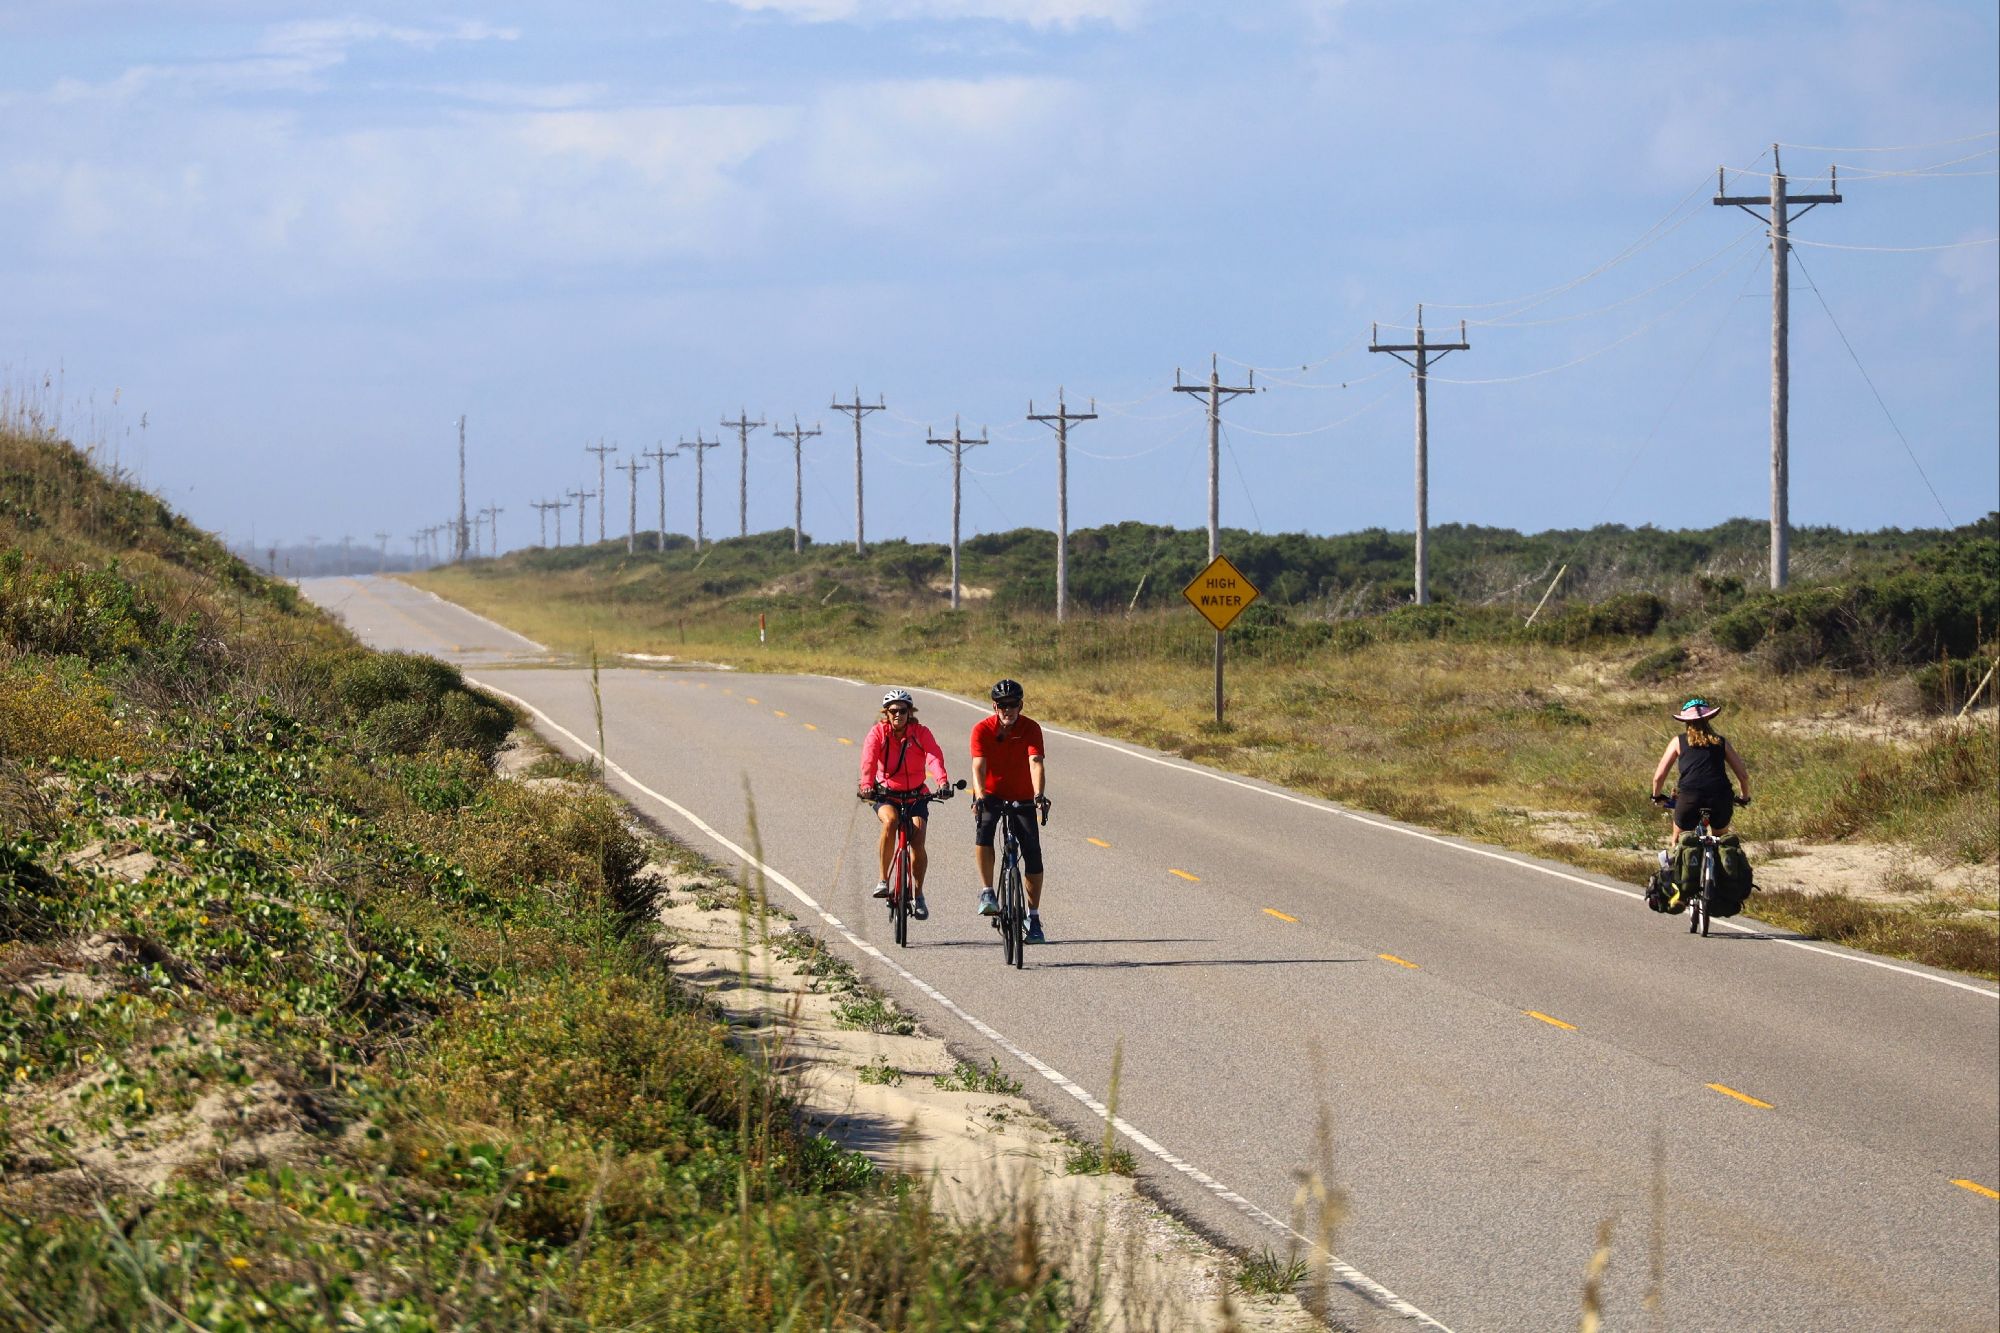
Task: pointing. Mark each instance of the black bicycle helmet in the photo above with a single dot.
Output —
(1007, 692)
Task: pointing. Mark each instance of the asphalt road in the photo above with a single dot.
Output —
(1500, 1049)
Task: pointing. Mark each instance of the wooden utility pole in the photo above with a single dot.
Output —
(582, 499)
(743, 425)
(959, 444)
(493, 513)
(602, 492)
(1217, 393)
(541, 508)
(701, 448)
(660, 457)
(798, 435)
(631, 467)
(459, 546)
(382, 564)
(1425, 352)
(1780, 202)
(559, 504)
(1062, 416)
(858, 409)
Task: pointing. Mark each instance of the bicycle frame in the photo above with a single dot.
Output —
(1013, 918)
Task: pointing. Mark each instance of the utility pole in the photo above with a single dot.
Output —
(541, 508)
(858, 409)
(1426, 352)
(493, 513)
(660, 457)
(478, 530)
(600, 449)
(582, 499)
(559, 504)
(701, 448)
(345, 567)
(1217, 394)
(959, 444)
(743, 425)
(458, 549)
(631, 467)
(382, 564)
(1780, 202)
(416, 550)
(1062, 416)
(798, 436)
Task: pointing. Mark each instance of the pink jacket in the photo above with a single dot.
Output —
(902, 765)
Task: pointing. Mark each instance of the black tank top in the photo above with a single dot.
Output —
(1702, 766)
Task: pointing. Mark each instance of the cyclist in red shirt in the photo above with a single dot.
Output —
(898, 756)
(1007, 765)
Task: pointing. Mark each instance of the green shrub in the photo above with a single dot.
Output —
(1660, 666)
(403, 703)
(1946, 685)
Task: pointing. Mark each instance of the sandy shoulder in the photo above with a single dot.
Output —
(987, 1154)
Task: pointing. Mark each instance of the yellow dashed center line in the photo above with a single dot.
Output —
(1097, 842)
(1552, 1022)
(845, 741)
(1977, 1188)
(748, 700)
(1192, 879)
(1743, 1097)
(810, 727)
(1272, 911)
(780, 712)
(1399, 962)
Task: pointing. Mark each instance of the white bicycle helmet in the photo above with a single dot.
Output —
(899, 697)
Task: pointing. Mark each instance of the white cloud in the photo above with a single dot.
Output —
(1035, 13)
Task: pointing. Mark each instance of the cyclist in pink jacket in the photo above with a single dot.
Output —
(902, 758)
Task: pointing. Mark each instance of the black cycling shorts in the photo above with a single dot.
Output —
(1027, 831)
(1688, 805)
(919, 809)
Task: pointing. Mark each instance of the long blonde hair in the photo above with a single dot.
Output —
(1701, 735)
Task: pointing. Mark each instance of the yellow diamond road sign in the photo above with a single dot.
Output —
(1220, 593)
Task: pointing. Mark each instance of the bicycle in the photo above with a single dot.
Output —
(1012, 923)
(1705, 877)
(901, 890)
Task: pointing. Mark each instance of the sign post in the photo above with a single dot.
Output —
(1220, 593)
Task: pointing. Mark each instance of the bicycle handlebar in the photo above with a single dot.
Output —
(881, 793)
(1040, 804)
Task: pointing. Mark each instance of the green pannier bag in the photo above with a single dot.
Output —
(1732, 877)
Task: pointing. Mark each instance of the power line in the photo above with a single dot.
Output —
(1899, 148)
(1869, 380)
(1900, 249)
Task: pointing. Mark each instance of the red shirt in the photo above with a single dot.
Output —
(1007, 775)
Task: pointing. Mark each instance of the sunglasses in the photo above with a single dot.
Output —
(899, 712)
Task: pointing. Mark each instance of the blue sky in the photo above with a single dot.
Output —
(267, 254)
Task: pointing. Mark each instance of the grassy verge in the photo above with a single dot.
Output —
(1450, 718)
(308, 1021)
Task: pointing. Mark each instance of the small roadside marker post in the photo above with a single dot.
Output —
(1220, 593)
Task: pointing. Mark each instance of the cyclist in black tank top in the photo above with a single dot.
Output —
(1706, 759)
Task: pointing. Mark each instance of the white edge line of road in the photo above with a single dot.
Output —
(540, 648)
(1350, 1276)
(1324, 808)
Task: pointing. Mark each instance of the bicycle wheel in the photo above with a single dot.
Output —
(1707, 887)
(1013, 913)
(899, 892)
